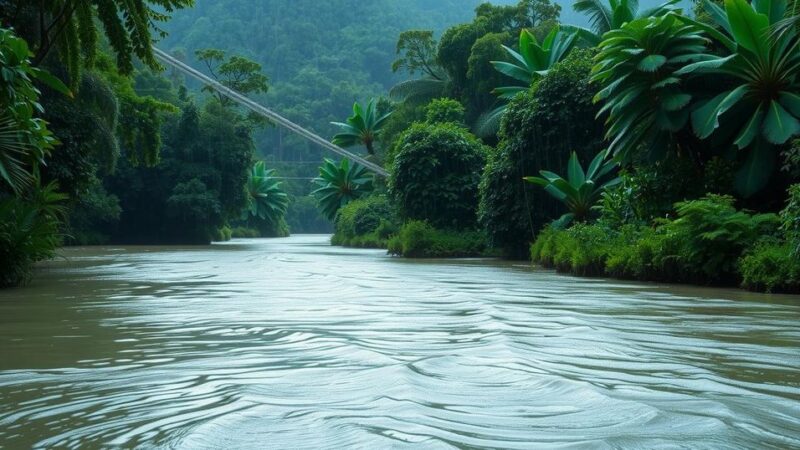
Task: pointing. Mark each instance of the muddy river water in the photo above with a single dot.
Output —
(293, 344)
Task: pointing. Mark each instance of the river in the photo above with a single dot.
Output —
(293, 344)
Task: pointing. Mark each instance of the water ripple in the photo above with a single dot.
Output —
(290, 343)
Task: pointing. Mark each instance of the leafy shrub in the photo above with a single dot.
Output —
(791, 159)
(387, 229)
(582, 249)
(771, 267)
(197, 208)
(651, 191)
(710, 236)
(418, 239)
(702, 245)
(642, 253)
(358, 222)
(29, 232)
(435, 175)
(444, 110)
(245, 233)
(223, 234)
(538, 132)
(92, 216)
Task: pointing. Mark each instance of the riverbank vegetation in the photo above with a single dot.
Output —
(655, 146)
(651, 144)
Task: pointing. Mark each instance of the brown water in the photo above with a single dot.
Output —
(291, 343)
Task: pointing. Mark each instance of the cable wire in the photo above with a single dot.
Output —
(269, 114)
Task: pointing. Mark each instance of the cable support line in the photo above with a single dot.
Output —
(269, 114)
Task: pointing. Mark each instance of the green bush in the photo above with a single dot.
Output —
(418, 239)
(223, 234)
(771, 267)
(702, 245)
(435, 175)
(644, 253)
(29, 232)
(245, 233)
(582, 249)
(539, 131)
(444, 110)
(709, 235)
(364, 223)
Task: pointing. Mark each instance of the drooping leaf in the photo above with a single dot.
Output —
(779, 124)
(756, 171)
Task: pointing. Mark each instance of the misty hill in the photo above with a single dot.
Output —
(320, 55)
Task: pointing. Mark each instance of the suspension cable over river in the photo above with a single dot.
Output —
(265, 112)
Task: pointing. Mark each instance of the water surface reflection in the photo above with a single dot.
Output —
(291, 343)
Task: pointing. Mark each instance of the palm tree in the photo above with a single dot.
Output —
(581, 190)
(340, 184)
(762, 98)
(534, 60)
(266, 200)
(531, 63)
(361, 128)
(605, 17)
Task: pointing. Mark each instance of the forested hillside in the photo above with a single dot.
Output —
(319, 56)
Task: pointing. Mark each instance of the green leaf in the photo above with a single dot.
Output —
(518, 73)
(575, 171)
(756, 171)
(537, 181)
(717, 14)
(773, 9)
(750, 131)
(674, 102)
(652, 63)
(779, 125)
(791, 102)
(51, 81)
(749, 28)
(706, 118)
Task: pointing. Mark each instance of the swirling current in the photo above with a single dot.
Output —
(294, 344)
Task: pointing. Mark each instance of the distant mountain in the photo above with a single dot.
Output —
(320, 55)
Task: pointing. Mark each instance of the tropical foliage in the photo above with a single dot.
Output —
(435, 174)
(71, 28)
(659, 74)
(339, 184)
(533, 59)
(761, 99)
(266, 201)
(607, 15)
(692, 113)
(29, 231)
(539, 132)
(24, 138)
(581, 190)
(530, 64)
(366, 222)
(645, 100)
(362, 127)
